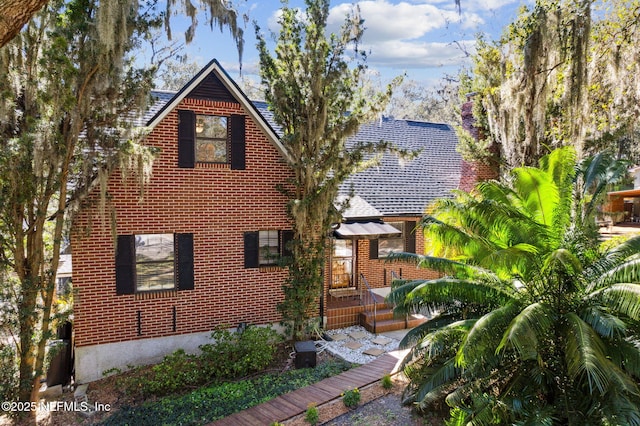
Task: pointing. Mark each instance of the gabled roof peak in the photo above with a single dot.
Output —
(167, 101)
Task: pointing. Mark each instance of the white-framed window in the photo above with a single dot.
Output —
(154, 262)
(269, 243)
(211, 139)
(386, 245)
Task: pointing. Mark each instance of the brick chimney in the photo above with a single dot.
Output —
(473, 172)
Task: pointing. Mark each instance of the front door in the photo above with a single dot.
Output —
(342, 265)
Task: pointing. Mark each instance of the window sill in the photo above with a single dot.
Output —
(223, 166)
(155, 294)
(270, 268)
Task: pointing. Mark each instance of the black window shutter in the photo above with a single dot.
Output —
(410, 237)
(373, 249)
(186, 139)
(184, 273)
(238, 145)
(251, 250)
(125, 265)
(286, 237)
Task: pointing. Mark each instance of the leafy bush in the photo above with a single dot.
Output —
(351, 398)
(312, 416)
(221, 400)
(233, 355)
(386, 381)
(239, 354)
(8, 373)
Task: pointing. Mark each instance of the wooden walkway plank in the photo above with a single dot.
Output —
(296, 402)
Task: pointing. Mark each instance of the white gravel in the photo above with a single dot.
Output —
(338, 347)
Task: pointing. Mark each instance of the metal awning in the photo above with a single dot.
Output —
(366, 230)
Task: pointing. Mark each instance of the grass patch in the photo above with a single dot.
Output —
(217, 401)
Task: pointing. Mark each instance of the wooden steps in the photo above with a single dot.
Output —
(384, 320)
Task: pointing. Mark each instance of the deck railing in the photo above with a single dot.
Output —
(368, 299)
(396, 277)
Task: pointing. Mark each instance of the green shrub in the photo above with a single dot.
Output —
(351, 398)
(8, 373)
(220, 400)
(177, 371)
(236, 355)
(386, 381)
(312, 416)
(231, 356)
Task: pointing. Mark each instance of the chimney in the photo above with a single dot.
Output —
(473, 172)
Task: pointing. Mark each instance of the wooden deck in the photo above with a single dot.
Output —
(294, 403)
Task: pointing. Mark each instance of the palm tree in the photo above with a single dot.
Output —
(532, 325)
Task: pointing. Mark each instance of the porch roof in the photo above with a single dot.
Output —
(366, 230)
(625, 193)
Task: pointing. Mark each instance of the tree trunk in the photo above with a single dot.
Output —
(14, 14)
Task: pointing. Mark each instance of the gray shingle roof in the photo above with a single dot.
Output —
(406, 187)
(159, 98)
(399, 187)
(395, 187)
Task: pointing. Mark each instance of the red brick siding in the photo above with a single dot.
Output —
(375, 270)
(474, 172)
(214, 203)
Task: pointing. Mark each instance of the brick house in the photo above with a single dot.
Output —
(199, 250)
(185, 258)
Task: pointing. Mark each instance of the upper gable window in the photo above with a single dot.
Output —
(211, 139)
(216, 139)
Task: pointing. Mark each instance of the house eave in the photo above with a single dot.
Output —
(238, 94)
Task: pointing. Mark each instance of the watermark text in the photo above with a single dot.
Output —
(23, 406)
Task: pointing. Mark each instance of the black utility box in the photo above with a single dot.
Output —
(305, 354)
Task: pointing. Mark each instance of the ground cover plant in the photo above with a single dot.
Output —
(534, 324)
(223, 399)
(230, 356)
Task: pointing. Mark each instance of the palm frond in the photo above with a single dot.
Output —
(453, 241)
(622, 298)
(416, 333)
(538, 192)
(627, 272)
(625, 354)
(441, 291)
(441, 342)
(597, 173)
(438, 264)
(620, 408)
(604, 323)
(479, 345)
(439, 380)
(564, 261)
(513, 260)
(616, 256)
(585, 355)
(525, 331)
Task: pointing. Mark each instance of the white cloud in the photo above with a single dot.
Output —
(415, 34)
(474, 5)
(406, 55)
(384, 20)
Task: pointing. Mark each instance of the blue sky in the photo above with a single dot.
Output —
(426, 39)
